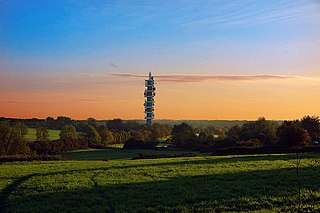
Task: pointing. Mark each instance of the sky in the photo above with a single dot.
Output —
(215, 59)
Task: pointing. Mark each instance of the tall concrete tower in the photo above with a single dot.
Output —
(149, 94)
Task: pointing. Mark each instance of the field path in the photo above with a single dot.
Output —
(6, 192)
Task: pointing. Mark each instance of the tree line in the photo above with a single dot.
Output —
(75, 135)
(93, 134)
(260, 133)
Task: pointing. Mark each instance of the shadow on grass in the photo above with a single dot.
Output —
(5, 192)
(215, 160)
(111, 154)
(189, 161)
(241, 191)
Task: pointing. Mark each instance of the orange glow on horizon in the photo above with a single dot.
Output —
(80, 97)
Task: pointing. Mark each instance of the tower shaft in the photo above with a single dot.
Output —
(149, 94)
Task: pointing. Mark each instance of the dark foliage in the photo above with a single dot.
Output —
(62, 121)
(22, 128)
(254, 143)
(107, 137)
(57, 146)
(120, 137)
(261, 129)
(202, 137)
(116, 125)
(226, 142)
(234, 132)
(160, 130)
(50, 123)
(91, 135)
(12, 140)
(291, 134)
(312, 125)
(42, 134)
(68, 132)
(183, 136)
(32, 123)
(59, 123)
(134, 143)
(92, 122)
(139, 131)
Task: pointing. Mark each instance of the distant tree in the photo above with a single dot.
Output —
(147, 134)
(62, 121)
(211, 139)
(207, 129)
(290, 133)
(255, 129)
(202, 137)
(22, 128)
(92, 135)
(312, 125)
(134, 143)
(121, 137)
(212, 130)
(183, 136)
(68, 132)
(200, 129)
(106, 137)
(138, 135)
(115, 125)
(42, 134)
(50, 123)
(224, 142)
(33, 122)
(82, 127)
(160, 130)
(133, 125)
(202, 140)
(234, 132)
(12, 141)
(92, 121)
(222, 134)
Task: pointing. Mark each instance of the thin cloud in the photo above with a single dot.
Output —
(113, 65)
(203, 78)
(87, 100)
(16, 102)
(251, 15)
(127, 75)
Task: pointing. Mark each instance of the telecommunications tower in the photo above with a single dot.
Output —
(149, 94)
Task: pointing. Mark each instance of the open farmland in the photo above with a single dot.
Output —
(264, 183)
(32, 134)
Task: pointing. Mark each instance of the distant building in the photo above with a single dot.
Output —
(149, 94)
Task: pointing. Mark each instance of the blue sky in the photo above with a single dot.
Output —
(134, 36)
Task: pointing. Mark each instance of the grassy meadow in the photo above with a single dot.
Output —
(32, 135)
(115, 183)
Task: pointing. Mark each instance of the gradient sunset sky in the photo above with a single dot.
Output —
(211, 59)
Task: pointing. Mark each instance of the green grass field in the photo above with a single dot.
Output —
(53, 134)
(264, 183)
